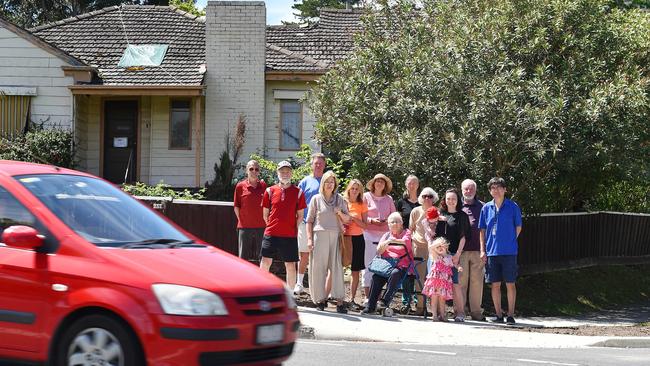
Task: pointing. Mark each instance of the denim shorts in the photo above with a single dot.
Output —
(501, 268)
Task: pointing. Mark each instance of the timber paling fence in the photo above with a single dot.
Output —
(548, 242)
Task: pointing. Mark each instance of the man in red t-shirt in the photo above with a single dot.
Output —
(248, 209)
(283, 206)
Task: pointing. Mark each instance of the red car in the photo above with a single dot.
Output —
(90, 276)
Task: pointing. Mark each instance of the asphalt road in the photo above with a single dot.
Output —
(328, 353)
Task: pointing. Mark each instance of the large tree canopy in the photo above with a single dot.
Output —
(552, 95)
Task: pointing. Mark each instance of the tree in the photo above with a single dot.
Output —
(222, 186)
(552, 95)
(31, 13)
(309, 10)
(188, 6)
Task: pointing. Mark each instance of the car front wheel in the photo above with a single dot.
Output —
(98, 340)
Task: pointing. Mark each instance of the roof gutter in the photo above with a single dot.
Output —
(117, 90)
(294, 75)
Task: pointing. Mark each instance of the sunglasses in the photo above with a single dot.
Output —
(429, 196)
(254, 169)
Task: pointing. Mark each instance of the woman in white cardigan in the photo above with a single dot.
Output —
(328, 211)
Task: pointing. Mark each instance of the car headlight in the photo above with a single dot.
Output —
(291, 302)
(185, 300)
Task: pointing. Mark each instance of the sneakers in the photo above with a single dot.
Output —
(381, 305)
(298, 289)
(321, 305)
(459, 319)
(497, 319)
(341, 309)
(354, 306)
(510, 320)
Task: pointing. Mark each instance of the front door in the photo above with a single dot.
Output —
(120, 140)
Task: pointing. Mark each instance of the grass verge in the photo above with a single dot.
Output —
(578, 291)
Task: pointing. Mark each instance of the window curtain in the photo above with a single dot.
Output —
(14, 113)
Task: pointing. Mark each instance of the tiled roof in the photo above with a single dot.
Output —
(327, 41)
(99, 39)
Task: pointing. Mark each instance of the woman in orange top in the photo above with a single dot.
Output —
(358, 212)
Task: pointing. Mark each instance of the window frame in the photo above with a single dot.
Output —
(189, 127)
(300, 104)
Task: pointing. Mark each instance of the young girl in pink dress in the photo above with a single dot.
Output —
(439, 286)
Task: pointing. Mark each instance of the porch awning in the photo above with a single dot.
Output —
(113, 90)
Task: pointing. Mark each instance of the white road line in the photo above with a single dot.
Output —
(322, 343)
(547, 362)
(427, 351)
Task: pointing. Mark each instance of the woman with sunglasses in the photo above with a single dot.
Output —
(248, 209)
(427, 199)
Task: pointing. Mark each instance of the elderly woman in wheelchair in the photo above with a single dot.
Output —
(390, 266)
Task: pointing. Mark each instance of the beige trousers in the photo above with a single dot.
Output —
(420, 250)
(325, 256)
(471, 278)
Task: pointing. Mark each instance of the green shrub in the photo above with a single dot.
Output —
(161, 190)
(623, 196)
(53, 146)
(551, 95)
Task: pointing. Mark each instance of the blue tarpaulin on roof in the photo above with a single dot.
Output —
(143, 55)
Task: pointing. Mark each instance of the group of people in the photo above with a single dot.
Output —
(444, 251)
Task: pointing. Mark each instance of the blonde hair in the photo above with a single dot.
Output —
(439, 241)
(346, 194)
(328, 174)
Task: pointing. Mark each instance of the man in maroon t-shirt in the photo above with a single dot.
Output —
(283, 206)
(248, 209)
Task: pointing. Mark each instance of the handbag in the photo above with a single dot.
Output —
(345, 244)
(382, 266)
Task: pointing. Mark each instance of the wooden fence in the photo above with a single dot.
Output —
(548, 242)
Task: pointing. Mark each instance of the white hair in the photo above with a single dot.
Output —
(394, 217)
(468, 181)
(428, 191)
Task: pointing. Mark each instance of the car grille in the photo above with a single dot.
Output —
(261, 305)
(246, 356)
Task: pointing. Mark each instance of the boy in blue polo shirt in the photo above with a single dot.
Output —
(500, 224)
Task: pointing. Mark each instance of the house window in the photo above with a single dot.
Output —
(180, 125)
(290, 125)
(14, 114)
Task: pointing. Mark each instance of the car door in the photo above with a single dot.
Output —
(23, 283)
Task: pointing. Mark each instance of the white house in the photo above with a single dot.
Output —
(168, 121)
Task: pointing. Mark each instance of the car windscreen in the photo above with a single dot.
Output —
(98, 211)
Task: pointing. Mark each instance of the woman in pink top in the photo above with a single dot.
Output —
(396, 235)
(380, 206)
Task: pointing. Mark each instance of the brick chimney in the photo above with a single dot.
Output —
(235, 42)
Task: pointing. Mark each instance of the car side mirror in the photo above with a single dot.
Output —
(20, 236)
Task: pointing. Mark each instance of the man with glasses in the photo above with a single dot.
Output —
(283, 205)
(500, 225)
(248, 209)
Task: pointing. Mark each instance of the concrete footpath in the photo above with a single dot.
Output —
(329, 325)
